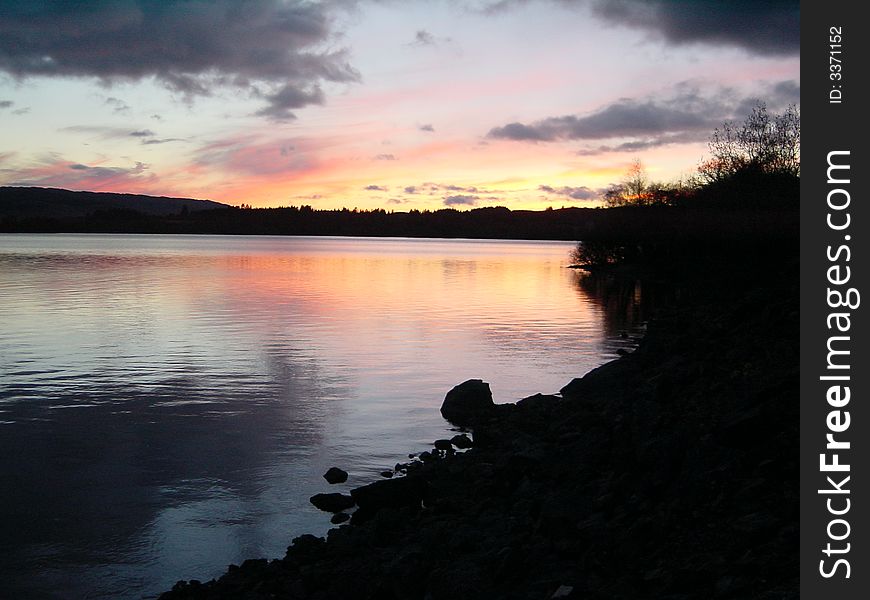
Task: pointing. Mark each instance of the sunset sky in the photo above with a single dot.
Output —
(379, 103)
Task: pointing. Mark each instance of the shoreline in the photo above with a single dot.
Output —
(668, 472)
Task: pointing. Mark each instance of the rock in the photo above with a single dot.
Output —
(402, 491)
(443, 445)
(332, 502)
(538, 401)
(461, 441)
(339, 518)
(467, 402)
(387, 474)
(425, 455)
(335, 475)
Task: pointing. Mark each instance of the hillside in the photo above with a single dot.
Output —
(52, 203)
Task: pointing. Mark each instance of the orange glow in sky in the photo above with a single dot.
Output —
(417, 105)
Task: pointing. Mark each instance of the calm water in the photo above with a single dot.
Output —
(169, 403)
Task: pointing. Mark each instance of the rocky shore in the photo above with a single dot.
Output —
(671, 472)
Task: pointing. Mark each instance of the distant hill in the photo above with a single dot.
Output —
(52, 203)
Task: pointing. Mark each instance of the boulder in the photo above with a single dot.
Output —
(332, 502)
(461, 441)
(445, 445)
(394, 493)
(335, 475)
(339, 518)
(467, 402)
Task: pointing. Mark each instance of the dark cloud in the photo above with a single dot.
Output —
(427, 127)
(375, 188)
(784, 93)
(461, 200)
(411, 189)
(6, 103)
(275, 50)
(288, 97)
(142, 133)
(385, 157)
(575, 193)
(624, 118)
(520, 132)
(688, 114)
(771, 27)
(396, 201)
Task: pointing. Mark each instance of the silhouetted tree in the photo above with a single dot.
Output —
(764, 144)
(632, 190)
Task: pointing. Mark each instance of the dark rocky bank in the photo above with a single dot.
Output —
(671, 472)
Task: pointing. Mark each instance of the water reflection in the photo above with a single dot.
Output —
(168, 404)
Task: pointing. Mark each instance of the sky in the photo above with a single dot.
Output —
(394, 104)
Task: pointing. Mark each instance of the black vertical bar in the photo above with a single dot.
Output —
(835, 222)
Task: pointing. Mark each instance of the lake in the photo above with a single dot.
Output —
(168, 404)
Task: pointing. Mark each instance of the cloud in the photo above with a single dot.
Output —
(517, 131)
(784, 93)
(461, 200)
(290, 96)
(275, 50)
(6, 103)
(626, 117)
(687, 114)
(459, 188)
(53, 171)
(118, 105)
(396, 201)
(427, 127)
(146, 136)
(645, 144)
(375, 188)
(423, 38)
(155, 141)
(766, 28)
(575, 193)
(411, 189)
(385, 157)
(249, 156)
